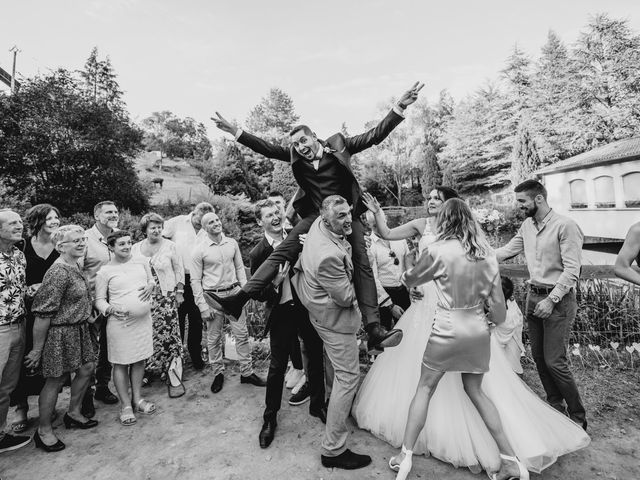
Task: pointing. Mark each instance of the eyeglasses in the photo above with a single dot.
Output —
(76, 241)
(392, 254)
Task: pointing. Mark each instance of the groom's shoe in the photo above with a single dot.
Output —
(347, 460)
(232, 304)
(381, 338)
(267, 433)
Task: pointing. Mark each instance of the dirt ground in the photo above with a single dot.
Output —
(206, 436)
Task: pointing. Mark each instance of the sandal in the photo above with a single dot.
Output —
(127, 418)
(146, 407)
(20, 426)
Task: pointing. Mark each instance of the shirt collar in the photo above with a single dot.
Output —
(223, 240)
(272, 240)
(545, 220)
(12, 254)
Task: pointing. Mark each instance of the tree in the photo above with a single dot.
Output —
(524, 156)
(59, 146)
(432, 176)
(176, 137)
(241, 170)
(100, 82)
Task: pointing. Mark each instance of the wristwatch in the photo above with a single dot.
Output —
(554, 298)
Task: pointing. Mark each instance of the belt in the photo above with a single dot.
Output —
(540, 290)
(224, 289)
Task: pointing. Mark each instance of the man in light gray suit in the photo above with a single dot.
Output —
(324, 284)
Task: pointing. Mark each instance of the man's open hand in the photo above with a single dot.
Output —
(224, 124)
(410, 95)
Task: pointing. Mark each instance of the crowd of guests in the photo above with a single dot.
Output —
(90, 306)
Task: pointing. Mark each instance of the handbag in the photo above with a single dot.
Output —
(174, 378)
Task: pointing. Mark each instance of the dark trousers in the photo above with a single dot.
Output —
(287, 320)
(399, 296)
(191, 310)
(290, 248)
(296, 354)
(549, 338)
(103, 368)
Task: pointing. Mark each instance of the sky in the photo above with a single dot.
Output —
(339, 60)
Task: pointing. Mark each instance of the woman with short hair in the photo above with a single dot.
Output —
(42, 221)
(62, 343)
(168, 272)
(123, 295)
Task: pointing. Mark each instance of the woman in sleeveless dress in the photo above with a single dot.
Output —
(123, 294)
(454, 431)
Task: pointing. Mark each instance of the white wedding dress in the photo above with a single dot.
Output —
(454, 431)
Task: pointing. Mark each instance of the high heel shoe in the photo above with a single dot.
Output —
(523, 472)
(56, 447)
(404, 467)
(70, 422)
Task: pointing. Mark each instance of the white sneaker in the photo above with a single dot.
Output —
(294, 378)
(290, 371)
(299, 385)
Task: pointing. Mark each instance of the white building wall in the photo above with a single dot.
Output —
(595, 222)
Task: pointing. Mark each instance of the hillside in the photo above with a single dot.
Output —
(180, 180)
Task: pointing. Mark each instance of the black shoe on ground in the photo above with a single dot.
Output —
(253, 379)
(13, 442)
(381, 338)
(302, 396)
(347, 460)
(88, 409)
(267, 433)
(320, 413)
(105, 395)
(56, 447)
(218, 381)
(232, 304)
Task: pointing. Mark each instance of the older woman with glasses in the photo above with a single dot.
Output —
(168, 272)
(43, 220)
(123, 294)
(62, 343)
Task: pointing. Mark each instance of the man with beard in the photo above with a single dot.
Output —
(96, 255)
(324, 283)
(321, 169)
(551, 244)
(285, 318)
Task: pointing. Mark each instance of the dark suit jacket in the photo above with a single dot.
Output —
(270, 294)
(343, 148)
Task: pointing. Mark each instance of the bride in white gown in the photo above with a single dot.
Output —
(454, 431)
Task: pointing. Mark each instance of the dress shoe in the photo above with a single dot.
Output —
(347, 460)
(253, 379)
(70, 422)
(88, 409)
(301, 396)
(232, 305)
(105, 396)
(381, 338)
(218, 381)
(56, 447)
(320, 413)
(267, 433)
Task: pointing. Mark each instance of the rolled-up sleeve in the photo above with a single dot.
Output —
(570, 240)
(196, 280)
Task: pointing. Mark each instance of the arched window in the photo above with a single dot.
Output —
(578, 191)
(631, 186)
(605, 195)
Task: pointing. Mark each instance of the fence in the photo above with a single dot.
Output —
(607, 325)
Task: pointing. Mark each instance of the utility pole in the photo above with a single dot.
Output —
(15, 51)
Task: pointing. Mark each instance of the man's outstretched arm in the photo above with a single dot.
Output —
(256, 144)
(381, 131)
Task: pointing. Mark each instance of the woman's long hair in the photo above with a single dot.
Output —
(456, 221)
